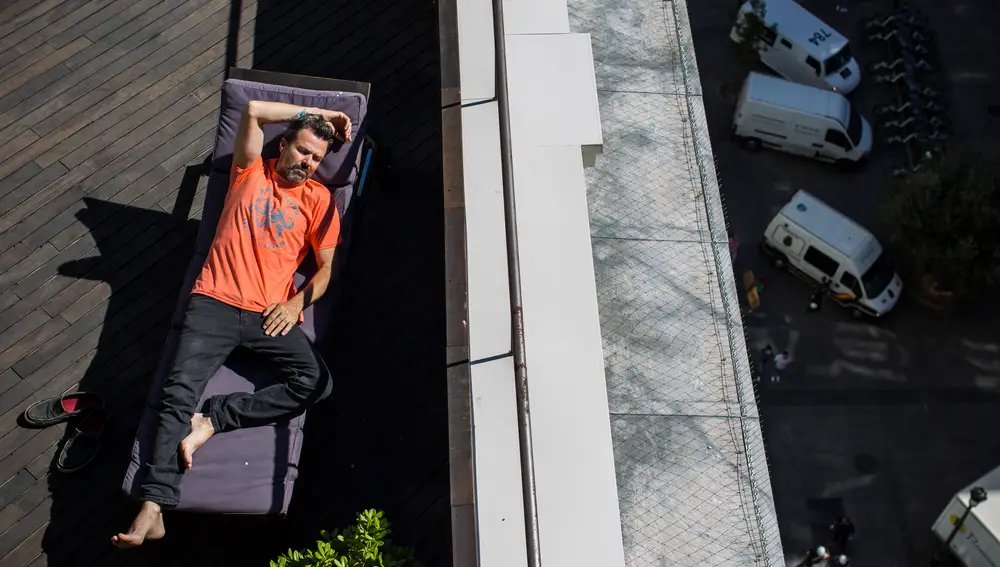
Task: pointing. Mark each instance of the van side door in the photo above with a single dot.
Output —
(819, 265)
(834, 146)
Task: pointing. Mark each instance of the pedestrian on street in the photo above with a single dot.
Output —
(843, 531)
(781, 362)
(814, 556)
(816, 299)
(766, 356)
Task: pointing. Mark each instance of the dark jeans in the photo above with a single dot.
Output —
(211, 330)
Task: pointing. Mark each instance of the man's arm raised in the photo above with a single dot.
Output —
(250, 137)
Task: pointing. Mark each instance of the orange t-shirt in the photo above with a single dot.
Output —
(266, 229)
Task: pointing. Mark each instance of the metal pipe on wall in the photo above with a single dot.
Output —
(514, 283)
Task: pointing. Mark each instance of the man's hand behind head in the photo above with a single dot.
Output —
(341, 124)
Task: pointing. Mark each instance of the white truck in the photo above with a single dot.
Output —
(803, 48)
(977, 543)
(801, 120)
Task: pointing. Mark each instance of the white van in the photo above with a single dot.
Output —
(800, 120)
(819, 244)
(804, 49)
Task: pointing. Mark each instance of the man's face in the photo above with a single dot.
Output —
(300, 157)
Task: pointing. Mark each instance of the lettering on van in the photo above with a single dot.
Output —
(820, 36)
(804, 128)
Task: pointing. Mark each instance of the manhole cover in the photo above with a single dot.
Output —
(994, 110)
(866, 464)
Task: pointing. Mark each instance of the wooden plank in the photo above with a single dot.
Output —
(28, 550)
(55, 368)
(178, 103)
(107, 10)
(8, 299)
(12, 23)
(104, 290)
(135, 111)
(130, 17)
(80, 181)
(33, 287)
(90, 68)
(37, 495)
(110, 185)
(24, 327)
(28, 531)
(69, 336)
(104, 271)
(30, 342)
(15, 486)
(33, 36)
(36, 259)
(8, 379)
(15, 395)
(13, 256)
(26, 68)
(145, 28)
(38, 441)
(17, 7)
(10, 182)
(130, 195)
(170, 56)
(24, 189)
(37, 35)
(42, 464)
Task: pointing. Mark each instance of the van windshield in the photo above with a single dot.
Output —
(839, 59)
(854, 128)
(878, 277)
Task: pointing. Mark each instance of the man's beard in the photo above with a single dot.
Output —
(296, 174)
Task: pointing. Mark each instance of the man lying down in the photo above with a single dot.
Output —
(245, 296)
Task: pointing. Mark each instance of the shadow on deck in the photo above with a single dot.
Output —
(99, 205)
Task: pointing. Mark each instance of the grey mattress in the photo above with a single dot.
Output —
(251, 471)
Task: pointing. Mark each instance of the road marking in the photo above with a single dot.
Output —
(838, 367)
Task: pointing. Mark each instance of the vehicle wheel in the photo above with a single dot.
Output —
(857, 314)
(752, 144)
(778, 262)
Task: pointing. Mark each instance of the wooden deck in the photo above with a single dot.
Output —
(107, 108)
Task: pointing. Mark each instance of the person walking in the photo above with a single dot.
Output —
(781, 362)
(814, 556)
(766, 357)
(843, 531)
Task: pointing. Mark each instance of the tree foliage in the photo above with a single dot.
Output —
(752, 30)
(947, 219)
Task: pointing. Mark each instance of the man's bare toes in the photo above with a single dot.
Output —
(125, 541)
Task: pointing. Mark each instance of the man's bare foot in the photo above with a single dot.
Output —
(148, 524)
(201, 431)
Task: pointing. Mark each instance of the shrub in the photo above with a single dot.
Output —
(946, 218)
(364, 544)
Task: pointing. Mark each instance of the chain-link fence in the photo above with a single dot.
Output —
(693, 482)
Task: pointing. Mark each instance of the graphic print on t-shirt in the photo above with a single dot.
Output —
(270, 220)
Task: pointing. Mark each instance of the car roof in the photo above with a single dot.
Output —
(803, 98)
(798, 24)
(833, 228)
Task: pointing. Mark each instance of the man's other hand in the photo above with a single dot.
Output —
(341, 124)
(282, 316)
